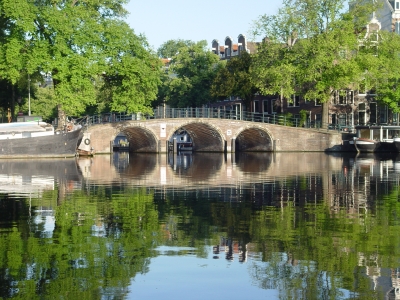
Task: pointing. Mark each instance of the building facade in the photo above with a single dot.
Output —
(347, 108)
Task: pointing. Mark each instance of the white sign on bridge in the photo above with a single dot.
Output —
(163, 130)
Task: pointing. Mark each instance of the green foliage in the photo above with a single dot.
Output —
(285, 119)
(132, 74)
(192, 72)
(303, 116)
(383, 72)
(43, 104)
(171, 48)
(234, 80)
(310, 50)
(75, 43)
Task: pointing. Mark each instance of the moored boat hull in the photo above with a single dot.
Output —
(60, 144)
(396, 142)
(365, 145)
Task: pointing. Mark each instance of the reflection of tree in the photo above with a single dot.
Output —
(293, 241)
(96, 248)
(309, 254)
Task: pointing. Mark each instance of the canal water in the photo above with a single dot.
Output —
(201, 226)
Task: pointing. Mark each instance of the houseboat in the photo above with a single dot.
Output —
(377, 138)
(38, 139)
(182, 140)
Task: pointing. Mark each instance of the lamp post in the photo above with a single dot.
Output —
(29, 95)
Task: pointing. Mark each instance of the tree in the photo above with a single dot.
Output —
(235, 80)
(171, 47)
(384, 70)
(76, 43)
(131, 77)
(312, 49)
(192, 72)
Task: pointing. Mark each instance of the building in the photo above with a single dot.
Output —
(353, 106)
(230, 48)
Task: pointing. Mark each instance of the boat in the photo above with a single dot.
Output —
(84, 146)
(365, 145)
(377, 138)
(182, 140)
(121, 143)
(38, 139)
(396, 142)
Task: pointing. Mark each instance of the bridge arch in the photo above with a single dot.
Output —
(254, 138)
(141, 139)
(205, 136)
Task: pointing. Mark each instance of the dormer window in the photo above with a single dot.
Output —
(397, 5)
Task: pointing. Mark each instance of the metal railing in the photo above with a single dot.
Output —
(215, 113)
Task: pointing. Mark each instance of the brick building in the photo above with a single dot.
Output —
(347, 108)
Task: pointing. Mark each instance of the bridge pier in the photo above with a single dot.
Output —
(233, 145)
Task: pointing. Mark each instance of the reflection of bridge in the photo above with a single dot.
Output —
(212, 135)
(208, 169)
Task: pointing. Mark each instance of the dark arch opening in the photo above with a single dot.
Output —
(139, 140)
(253, 139)
(204, 137)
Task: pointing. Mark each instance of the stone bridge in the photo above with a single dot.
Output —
(212, 135)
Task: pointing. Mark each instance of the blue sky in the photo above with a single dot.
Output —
(161, 21)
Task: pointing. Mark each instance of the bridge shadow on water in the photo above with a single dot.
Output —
(198, 166)
(253, 161)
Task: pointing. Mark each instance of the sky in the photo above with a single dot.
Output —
(161, 21)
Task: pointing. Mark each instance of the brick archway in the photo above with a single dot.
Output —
(140, 139)
(205, 137)
(254, 139)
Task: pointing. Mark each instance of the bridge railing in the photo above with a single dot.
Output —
(206, 112)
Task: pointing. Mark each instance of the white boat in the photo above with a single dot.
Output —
(182, 140)
(38, 139)
(365, 145)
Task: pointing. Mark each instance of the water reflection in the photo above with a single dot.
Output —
(21, 177)
(270, 225)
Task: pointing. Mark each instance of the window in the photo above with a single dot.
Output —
(361, 114)
(383, 114)
(397, 5)
(318, 102)
(397, 27)
(350, 120)
(342, 97)
(256, 107)
(350, 97)
(265, 106)
(333, 119)
(342, 119)
(294, 102)
(273, 106)
(228, 52)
